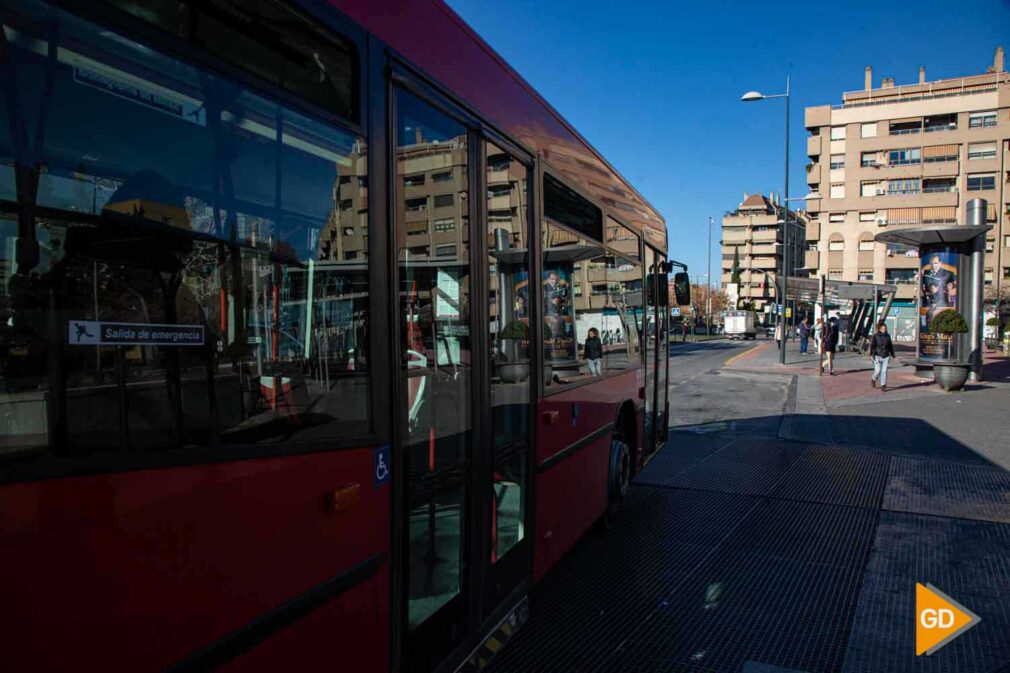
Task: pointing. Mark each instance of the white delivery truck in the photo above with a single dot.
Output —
(740, 325)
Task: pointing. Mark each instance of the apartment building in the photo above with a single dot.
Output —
(908, 155)
(753, 235)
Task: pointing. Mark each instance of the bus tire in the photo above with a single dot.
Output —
(618, 481)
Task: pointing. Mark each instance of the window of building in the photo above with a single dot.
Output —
(981, 181)
(836, 245)
(988, 277)
(837, 161)
(814, 247)
(901, 250)
(865, 275)
(868, 217)
(868, 130)
(982, 151)
(837, 190)
(870, 188)
(907, 186)
(445, 251)
(990, 245)
(937, 153)
(977, 120)
(158, 240)
(1006, 241)
(866, 244)
(941, 122)
(836, 217)
(904, 157)
(445, 224)
(565, 206)
(838, 133)
(413, 180)
(1006, 272)
(442, 200)
(414, 205)
(867, 159)
(834, 274)
(442, 176)
(900, 276)
(900, 127)
(935, 185)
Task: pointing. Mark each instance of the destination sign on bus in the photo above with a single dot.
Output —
(96, 333)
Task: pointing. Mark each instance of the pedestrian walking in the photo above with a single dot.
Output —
(592, 350)
(819, 335)
(804, 335)
(831, 344)
(881, 350)
(684, 330)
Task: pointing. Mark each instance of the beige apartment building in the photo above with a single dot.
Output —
(898, 156)
(752, 234)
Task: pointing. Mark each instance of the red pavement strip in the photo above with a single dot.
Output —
(856, 383)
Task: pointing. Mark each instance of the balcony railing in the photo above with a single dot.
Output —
(938, 189)
(940, 127)
(904, 132)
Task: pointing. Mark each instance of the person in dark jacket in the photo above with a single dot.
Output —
(592, 350)
(831, 344)
(881, 350)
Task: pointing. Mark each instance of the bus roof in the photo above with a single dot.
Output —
(434, 38)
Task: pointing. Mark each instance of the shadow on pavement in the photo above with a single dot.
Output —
(736, 551)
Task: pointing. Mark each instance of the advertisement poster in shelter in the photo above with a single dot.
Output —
(937, 293)
(559, 314)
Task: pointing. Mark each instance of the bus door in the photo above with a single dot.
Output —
(657, 352)
(465, 374)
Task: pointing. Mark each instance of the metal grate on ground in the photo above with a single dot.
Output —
(780, 590)
(607, 584)
(837, 475)
(967, 560)
(949, 489)
(748, 467)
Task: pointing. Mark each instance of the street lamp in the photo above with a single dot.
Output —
(750, 97)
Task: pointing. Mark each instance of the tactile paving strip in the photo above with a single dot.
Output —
(838, 476)
(605, 587)
(948, 489)
(780, 590)
(967, 560)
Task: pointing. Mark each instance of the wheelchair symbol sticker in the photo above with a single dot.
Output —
(382, 465)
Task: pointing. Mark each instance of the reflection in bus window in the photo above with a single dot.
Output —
(623, 316)
(508, 285)
(193, 274)
(435, 331)
(575, 299)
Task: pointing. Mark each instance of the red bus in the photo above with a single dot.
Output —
(323, 337)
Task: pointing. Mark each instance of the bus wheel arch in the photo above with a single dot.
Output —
(622, 463)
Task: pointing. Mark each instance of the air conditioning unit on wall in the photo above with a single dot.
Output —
(881, 221)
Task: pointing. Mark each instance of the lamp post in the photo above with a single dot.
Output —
(708, 314)
(750, 97)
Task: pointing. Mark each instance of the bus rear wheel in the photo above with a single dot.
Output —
(618, 481)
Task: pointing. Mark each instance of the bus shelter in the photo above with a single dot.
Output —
(860, 303)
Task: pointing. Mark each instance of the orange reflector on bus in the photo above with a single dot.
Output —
(345, 497)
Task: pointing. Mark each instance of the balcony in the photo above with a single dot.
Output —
(812, 259)
(813, 230)
(814, 146)
(766, 236)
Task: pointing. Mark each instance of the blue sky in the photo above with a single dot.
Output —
(656, 88)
